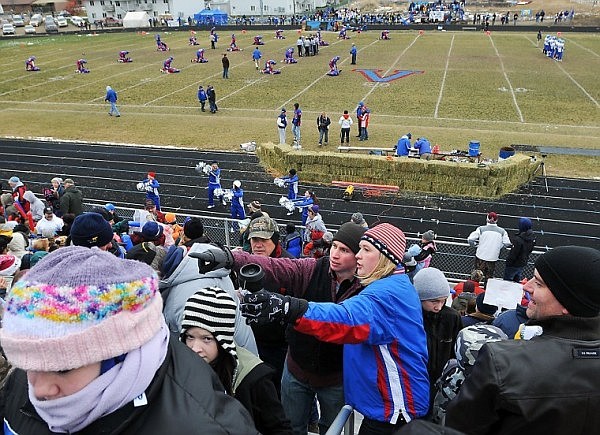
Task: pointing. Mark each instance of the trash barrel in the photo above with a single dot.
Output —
(474, 148)
(506, 152)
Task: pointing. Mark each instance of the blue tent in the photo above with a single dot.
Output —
(211, 17)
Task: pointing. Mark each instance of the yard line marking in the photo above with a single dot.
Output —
(584, 48)
(390, 68)
(530, 40)
(87, 84)
(285, 103)
(393, 118)
(512, 91)
(578, 85)
(196, 83)
(437, 106)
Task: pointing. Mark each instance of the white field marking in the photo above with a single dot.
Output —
(260, 79)
(584, 48)
(87, 84)
(578, 85)
(566, 135)
(391, 67)
(530, 40)
(439, 101)
(59, 60)
(195, 84)
(285, 103)
(512, 92)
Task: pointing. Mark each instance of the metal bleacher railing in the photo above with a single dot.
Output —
(453, 258)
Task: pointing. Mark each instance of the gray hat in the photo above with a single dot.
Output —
(431, 284)
(428, 235)
(69, 181)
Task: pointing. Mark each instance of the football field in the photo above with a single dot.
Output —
(451, 87)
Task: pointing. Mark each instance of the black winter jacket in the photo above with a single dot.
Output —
(441, 329)
(185, 397)
(546, 385)
(523, 244)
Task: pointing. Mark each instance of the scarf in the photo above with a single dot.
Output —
(108, 392)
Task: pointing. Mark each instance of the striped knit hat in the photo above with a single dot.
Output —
(79, 306)
(389, 240)
(213, 309)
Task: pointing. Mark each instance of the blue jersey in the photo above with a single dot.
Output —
(214, 177)
(292, 182)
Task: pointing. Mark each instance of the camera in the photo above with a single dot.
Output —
(251, 277)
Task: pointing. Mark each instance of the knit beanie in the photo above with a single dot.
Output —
(193, 228)
(213, 309)
(170, 218)
(79, 306)
(358, 218)
(524, 224)
(91, 229)
(483, 308)
(388, 239)
(492, 217)
(431, 284)
(572, 273)
(428, 235)
(350, 234)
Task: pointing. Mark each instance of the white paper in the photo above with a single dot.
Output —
(503, 294)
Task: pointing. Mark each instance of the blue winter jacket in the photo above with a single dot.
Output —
(111, 96)
(403, 146)
(423, 145)
(385, 348)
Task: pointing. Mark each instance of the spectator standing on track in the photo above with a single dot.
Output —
(522, 245)
(489, 239)
(111, 97)
(72, 200)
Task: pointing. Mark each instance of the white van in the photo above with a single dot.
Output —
(36, 20)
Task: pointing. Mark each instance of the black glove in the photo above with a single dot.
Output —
(213, 258)
(264, 307)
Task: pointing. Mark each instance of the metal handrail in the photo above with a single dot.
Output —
(343, 421)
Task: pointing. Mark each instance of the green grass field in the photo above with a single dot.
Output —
(498, 89)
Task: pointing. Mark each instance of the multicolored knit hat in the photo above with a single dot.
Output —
(388, 239)
(213, 309)
(79, 306)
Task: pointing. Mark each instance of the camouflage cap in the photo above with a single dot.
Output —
(262, 227)
(471, 339)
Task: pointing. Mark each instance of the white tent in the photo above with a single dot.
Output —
(136, 19)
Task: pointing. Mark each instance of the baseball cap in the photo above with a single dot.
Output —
(48, 210)
(263, 227)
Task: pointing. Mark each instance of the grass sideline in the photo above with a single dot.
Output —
(498, 89)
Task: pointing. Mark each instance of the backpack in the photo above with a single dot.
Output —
(447, 388)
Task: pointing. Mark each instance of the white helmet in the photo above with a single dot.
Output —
(237, 184)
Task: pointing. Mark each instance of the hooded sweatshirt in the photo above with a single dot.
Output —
(36, 205)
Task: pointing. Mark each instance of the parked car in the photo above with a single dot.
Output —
(50, 25)
(112, 22)
(18, 21)
(62, 22)
(36, 20)
(8, 29)
(29, 29)
(77, 20)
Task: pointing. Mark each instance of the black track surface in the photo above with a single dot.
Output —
(568, 214)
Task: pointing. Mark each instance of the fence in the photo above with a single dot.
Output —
(455, 259)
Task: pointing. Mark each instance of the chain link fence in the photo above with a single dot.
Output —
(456, 260)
